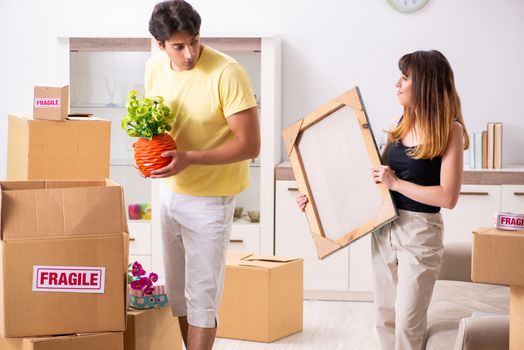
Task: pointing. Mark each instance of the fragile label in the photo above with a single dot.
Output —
(47, 102)
(69, 279)
(509, 221)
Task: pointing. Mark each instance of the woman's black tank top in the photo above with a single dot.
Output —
(424, 172)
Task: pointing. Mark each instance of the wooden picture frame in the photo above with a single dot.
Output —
(332, 151)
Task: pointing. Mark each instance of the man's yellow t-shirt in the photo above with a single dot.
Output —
(201, 100)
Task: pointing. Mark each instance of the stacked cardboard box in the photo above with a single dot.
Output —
(63, 254)
(64, 244)
(263, 297)
(74, 149)
(98, 341)
(51, 103)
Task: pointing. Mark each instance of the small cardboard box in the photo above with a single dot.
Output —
(152, 329)
(98, 341)
(75, 149)
(497, 256)
(63, 258)
(51, 103)
(263, 298)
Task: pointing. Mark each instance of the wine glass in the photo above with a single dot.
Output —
(110, 88)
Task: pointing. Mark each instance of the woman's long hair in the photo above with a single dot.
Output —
(435, 104)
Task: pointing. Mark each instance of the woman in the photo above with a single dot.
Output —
(424, 172)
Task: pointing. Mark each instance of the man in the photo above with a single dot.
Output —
(216, 131)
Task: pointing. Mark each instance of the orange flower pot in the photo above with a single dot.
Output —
(148, 153)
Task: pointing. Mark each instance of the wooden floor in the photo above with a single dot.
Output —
(328, 325)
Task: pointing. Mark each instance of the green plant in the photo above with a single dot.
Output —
(146, 117)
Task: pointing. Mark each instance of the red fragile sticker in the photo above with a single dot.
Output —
(509, 221)
(47, 102)
(69, 279)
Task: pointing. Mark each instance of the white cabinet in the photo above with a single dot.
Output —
(245, 237)
(347, 275)
(293, 239)
(360, 268)
(342, 275)
(102, 71)
(475, 208)
(140, 243)
(512, 199)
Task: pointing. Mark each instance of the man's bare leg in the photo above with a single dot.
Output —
(200, 338)
(182, 322)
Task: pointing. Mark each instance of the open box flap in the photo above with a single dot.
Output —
(42, 209)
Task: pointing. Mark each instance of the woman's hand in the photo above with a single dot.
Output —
(302, 200)
(385, 175)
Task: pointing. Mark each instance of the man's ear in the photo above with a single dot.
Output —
(161, 45)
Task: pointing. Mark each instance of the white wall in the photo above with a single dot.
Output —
(328, 47)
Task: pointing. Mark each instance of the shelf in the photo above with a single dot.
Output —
(121, 162)
(509, 175)
(244, 220)
(99, 105)
(142, 222)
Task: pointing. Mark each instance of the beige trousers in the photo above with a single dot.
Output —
(406, 257)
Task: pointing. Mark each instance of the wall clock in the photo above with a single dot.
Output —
(407, 6)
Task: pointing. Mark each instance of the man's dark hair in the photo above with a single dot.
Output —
(173, 16)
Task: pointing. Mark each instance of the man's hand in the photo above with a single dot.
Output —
(179, 161)
(138, 170)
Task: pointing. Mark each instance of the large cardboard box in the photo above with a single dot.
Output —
(263, 298)
(497, 257)
(51, 103)
(152, 329)
(74, 149)
(63, 258)
(93, 341)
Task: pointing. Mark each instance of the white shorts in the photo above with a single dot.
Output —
(195, 237)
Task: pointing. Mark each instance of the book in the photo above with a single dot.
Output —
(497, 150)
(491, 144)
(484, 149)
(471, 151)
(477, 144)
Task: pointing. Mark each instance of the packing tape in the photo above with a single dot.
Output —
(510, 221)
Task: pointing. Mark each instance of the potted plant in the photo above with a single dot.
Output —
(143, 294)
(149, 119)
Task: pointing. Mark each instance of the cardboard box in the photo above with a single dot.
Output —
(152, 329)
(497, 256)
(74, 149)
(98, 341)
(51, 103)
(63, 258)
(263, 298)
